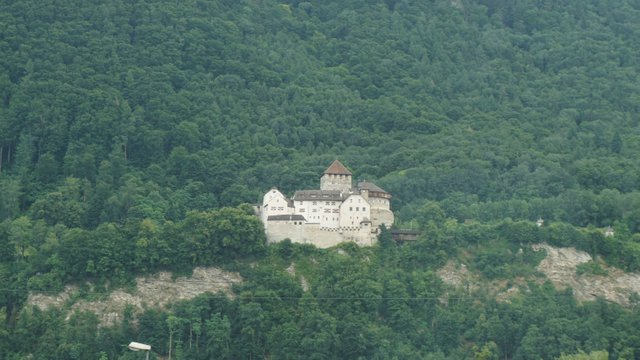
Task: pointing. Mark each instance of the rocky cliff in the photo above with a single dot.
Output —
(560, 267)
(155, 291)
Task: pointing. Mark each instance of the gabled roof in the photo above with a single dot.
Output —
(336, 168)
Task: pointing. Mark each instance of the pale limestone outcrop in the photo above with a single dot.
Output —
(153, 291)
(560, 265)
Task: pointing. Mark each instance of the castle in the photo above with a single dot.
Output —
(336, 213)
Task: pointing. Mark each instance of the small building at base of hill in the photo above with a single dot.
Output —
(336, 213)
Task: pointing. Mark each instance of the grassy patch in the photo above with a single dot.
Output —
(591, 268)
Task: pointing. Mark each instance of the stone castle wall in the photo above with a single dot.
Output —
(321, 238)
(381, 216)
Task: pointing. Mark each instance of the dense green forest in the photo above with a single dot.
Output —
(133, 134)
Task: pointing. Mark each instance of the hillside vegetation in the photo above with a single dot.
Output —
(133, 133)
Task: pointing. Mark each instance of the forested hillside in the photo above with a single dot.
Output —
(134, 132)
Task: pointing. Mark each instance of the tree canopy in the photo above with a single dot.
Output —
(134, 133)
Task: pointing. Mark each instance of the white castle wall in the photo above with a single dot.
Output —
(274, 203)
(353, 210)
(326, 213)
(321, 238)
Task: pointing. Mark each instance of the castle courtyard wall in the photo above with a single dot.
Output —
(321, 238)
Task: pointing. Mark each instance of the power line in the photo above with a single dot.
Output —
(380, 298)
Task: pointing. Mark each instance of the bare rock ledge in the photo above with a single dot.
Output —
(154, 291)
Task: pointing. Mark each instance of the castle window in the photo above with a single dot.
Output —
(314, 210)
(315, 203)
(350, 208)
(280, 208)
(327, 203)
(273, 208)
(301, 209)
(357, 208)
(364, 209)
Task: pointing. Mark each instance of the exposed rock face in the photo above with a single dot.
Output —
(560, 267)
(457, 275)
(303, 282)
(155, 291)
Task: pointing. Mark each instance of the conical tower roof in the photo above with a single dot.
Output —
(336, 168)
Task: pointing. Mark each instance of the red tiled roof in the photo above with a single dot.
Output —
(336, 168)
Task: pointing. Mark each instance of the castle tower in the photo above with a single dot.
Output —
(380, 202)
(336, 177)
